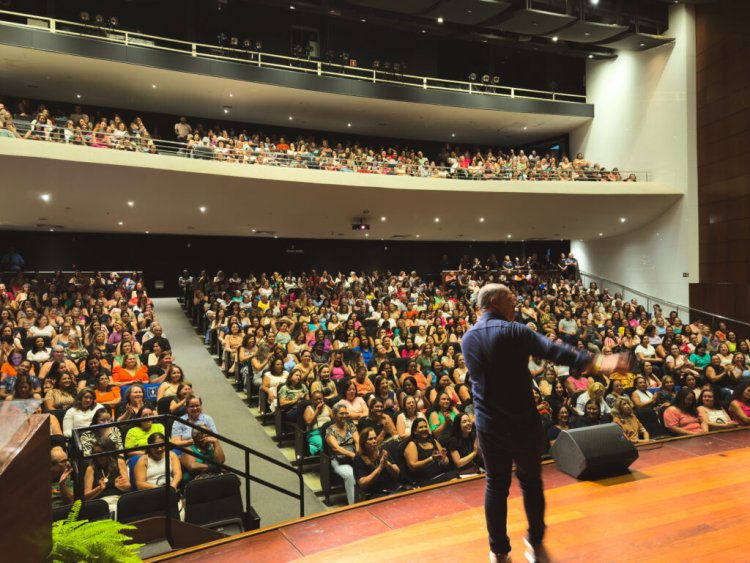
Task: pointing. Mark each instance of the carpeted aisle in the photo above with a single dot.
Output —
(233, 418)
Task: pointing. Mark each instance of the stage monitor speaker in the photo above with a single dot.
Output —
(594, 452)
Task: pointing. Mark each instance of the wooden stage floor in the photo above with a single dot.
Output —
(685, 500)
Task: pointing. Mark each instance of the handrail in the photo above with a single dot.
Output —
(168, 420)
(287, 63)
(257, 155)
(657, 300)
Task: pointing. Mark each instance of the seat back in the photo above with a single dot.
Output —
(213, 499)
(148, 503)
(91, 510)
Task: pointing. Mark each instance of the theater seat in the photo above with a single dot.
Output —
(91, 510)
(148, 503)
(216, 503)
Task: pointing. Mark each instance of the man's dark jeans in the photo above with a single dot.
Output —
(499, 450)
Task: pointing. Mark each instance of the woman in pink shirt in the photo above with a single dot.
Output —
(739, 408)
(682, 417)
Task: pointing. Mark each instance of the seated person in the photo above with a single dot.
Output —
(342, 439)
(565, 417)
(112, 433)
(426, 459)
(62, 395)
(150, 469)
(363, 383)
(442, 415)
(206, 453)
(378, 421)
(182, 435)
(317, 414)
(81, 413)
(409, 413)
(623, 416)
(739, 408)
(375, 474)
(713, 415)
(641, 396)
(592, 415)
(463, 445)
(106, 477)
(290, 394)
(62, 480)
(595, 392)
(681, 418)
(139, 435)
(355, 405)
(130, 372)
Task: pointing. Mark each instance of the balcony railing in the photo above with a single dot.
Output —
(260, 155)
(280, 62)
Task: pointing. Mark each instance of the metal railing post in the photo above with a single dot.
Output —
(247, 481)
(53, 26)
(374, 76)
(424, 83)
(194, 50)
(260, 62)
(320, 69)
(168, 492)
(127, 38)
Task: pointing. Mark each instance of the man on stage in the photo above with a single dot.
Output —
(496, 351)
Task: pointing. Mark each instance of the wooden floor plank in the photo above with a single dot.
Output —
(686, 510)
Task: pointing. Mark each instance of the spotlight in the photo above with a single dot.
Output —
(99, 19)
(473, 77)
(396, 67)
(246, 44)
(85, 17)
(258, 45)
(387, 66)
(114, 21)
(234, 42)
(496, 80)
(221, 39)
(376, 64)
(486, 78)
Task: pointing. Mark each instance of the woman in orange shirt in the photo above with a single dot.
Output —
(106, 394)
(130, 372)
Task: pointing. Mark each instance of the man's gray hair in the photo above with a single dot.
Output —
(488, 293)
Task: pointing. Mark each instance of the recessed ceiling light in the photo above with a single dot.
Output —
(275, 236)
(367, 234)
(587, 34)
(601, 234)
(382, 218)
(591, 56)
(594, 2)
(226, 110)
(484, 41)
(45, 197)
(453, 134)
(348, 124)
(78, 96)
(424, 31)
(153, 86)
(363, 20)
(417, 236)
(643, 44)
(202, 208)
(52, 230)
(622, 219)
(290, 118)
(254, 230)
(147, 232)
(510, 236)
(131, 203)
(481, 219)
(440, 20)
(555, 38)
(525, 128)
(231, 95)
(119, 223)
(437, 219)
(292, 8)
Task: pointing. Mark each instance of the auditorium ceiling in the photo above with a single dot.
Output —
(59, 77)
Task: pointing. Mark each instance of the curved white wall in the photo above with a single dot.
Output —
(646, 118)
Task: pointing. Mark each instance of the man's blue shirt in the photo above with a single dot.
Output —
(497, 354)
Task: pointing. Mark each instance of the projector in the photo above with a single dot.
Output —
(360, 227)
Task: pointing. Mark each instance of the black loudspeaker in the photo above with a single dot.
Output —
(593, 452)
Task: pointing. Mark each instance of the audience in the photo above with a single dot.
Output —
(304, 151)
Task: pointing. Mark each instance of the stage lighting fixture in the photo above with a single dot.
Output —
(360, 227)
(221, 39)
(234, 41)
(496, 80)
(486, 78)
(99, 19)
(376, 64)
(246, 43)
(387, 66)
(396, 67)
(85, 16)
(114, 21)
(258, 45)
(473, 77)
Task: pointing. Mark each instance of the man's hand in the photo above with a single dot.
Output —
(615, 363)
